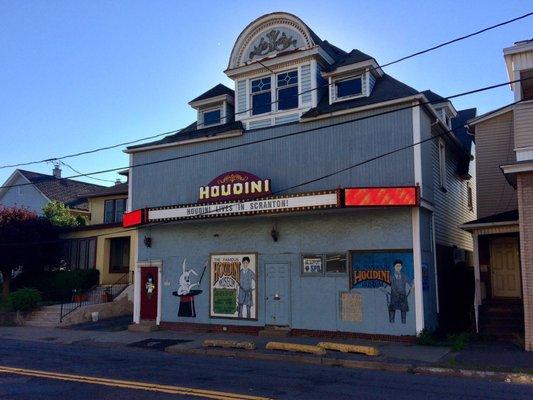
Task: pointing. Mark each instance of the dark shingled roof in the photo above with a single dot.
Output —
(465, 138)
(353, 57)
(119, 188)
(190, 132)
(386, 88)
(64, 190)
(433, 97)
(218, 90)
(507, 216)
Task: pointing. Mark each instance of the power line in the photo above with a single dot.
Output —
(98, 149)
(336, 172)
(81, 173)
(281, 136)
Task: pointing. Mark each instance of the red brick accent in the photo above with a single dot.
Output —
(525, 210)
(254, 330)
(189, 326)
(352, 335)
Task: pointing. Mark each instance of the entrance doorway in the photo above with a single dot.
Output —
(149, 293)
(505, 267)
(277, 294)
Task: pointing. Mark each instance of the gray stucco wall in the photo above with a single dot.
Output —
(24, 196)
(286, 161)
(314, 300)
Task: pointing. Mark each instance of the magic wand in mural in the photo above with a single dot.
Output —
(186, 293)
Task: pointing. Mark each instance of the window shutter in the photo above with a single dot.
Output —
(305, 85)
(241, 98)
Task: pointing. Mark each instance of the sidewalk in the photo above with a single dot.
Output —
(478, 356)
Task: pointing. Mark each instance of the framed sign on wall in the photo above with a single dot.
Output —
(233, 286)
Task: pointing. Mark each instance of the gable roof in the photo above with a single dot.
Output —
(353, 57)
(215, 91)
(433, 97)
(117, 189)
(64, 190)
(386, 88)
(464, 137)
(191, 133)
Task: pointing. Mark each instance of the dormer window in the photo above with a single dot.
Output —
(261, 96)
(288, 90)
(349, 87)
(212, 117)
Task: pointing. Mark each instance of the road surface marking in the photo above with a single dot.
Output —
(154, 387)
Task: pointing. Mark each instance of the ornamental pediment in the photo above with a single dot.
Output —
(269, 35)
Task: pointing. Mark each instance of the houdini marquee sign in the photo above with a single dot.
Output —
(275, 204)
(234, 185)
(243, 193)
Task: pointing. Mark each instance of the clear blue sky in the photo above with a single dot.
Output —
(81, 74)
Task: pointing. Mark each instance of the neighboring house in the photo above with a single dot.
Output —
(235, 240)
(503, 234)
(34, 190)
(103, 243)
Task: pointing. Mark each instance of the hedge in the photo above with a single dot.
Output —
(57, 285)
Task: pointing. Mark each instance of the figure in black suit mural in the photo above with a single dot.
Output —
(400, 288)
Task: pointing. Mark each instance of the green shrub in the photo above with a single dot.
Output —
(58, 285)
(24, 299)
(426, 338)
(458, 341)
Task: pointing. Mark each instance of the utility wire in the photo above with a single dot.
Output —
(280, 136)
(98, 149)
(336, 172)
(81, 173)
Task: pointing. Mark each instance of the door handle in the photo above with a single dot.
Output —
(277, 297)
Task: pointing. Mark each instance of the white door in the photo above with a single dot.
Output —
(277, 294)
(505, 267)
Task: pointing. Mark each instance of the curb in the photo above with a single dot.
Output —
(358, 364)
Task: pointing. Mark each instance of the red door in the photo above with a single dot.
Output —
(149, 293)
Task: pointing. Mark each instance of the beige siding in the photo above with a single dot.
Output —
(97, 207)
(451, 206)
(523, 124)
(494, 147)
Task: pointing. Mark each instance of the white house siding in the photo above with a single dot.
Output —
(24, 195)
(495, 144)
(523, 124)
(451, 207)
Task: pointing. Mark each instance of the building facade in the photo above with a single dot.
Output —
(103, 243)
(503, 235)
(301, 199)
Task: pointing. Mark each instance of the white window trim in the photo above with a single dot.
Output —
(297, 84)
(333, 87)
(206, 110)
(442, 165)
(251, 95)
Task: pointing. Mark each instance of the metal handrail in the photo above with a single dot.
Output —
(95, 295)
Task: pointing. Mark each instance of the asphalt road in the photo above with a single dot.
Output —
(78, 368)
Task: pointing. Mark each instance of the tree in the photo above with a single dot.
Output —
(60, 215)
(27, 241)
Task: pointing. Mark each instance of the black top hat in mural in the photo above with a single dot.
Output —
(186, 293)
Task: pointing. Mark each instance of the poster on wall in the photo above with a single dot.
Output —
(390, 272)
(233, 286)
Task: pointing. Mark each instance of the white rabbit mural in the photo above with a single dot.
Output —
(185, 291)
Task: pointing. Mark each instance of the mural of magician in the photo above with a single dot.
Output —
(400, 288)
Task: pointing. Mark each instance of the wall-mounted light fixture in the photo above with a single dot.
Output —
(274, 234)
(147, 241)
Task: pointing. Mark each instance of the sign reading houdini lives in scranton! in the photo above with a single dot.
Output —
(233, 286)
